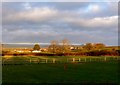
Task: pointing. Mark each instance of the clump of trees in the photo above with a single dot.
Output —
(65, 45)
(36, 47)
(53, 47)
(62, 47)
(89, 49)
(91, 46)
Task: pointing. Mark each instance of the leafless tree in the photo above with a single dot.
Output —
(65, 45)
(53, 46)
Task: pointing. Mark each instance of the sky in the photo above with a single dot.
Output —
(42, 22)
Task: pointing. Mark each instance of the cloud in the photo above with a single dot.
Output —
(52, 12)
(99, 22)
(60, 0)
(80, 23)
(93, 8)
(27, 6)
(33, 15)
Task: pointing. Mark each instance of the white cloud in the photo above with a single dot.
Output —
(94, 22)
(27, 6)
(104, 21)
(93, 8)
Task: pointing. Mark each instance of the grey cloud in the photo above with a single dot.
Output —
(106, 9)
(56, 22)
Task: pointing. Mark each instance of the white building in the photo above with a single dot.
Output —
(36, 51)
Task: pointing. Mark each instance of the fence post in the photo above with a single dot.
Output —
(90, 60)
(38, 61)
(117, 58)
(79, 59)
(53, 60)
(46, 60)
(85, 59)
(30, 60)
(73, 59)
(67, 60)
(105, 58)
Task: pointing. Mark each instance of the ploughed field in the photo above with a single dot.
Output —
(50, 70)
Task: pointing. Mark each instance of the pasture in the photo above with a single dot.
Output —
(64, 69)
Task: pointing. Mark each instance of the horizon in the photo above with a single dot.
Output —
(50, 44)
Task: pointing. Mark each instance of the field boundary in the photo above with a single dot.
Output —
(29, 60)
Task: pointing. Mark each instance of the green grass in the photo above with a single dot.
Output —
(100, 72)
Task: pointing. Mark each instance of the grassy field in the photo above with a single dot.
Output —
(85, 72)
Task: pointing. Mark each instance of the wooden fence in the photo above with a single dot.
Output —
(55, 60)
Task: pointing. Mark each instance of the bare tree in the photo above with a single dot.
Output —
(53, 46)
(65, 45)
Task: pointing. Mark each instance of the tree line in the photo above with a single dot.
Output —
(88, 49)
(65, 48)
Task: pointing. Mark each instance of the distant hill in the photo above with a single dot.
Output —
(42, 46)
(21, 45)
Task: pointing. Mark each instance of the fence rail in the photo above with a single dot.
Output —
(30, 60)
